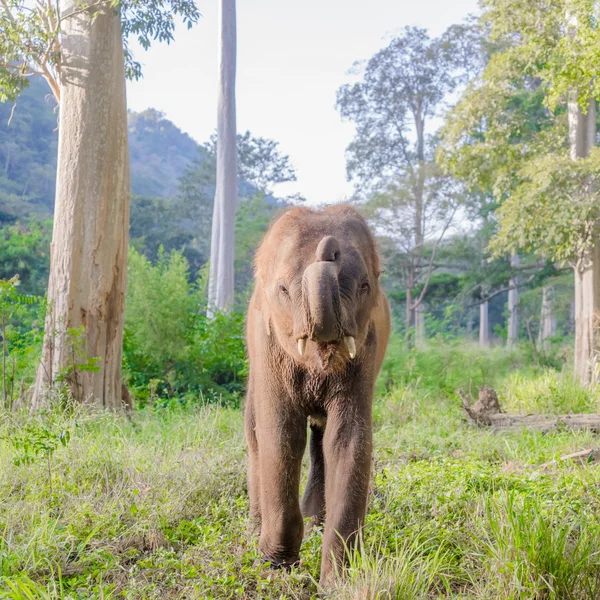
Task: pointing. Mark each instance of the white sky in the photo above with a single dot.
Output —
(292, 57)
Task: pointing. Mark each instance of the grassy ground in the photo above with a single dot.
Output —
(95, 506)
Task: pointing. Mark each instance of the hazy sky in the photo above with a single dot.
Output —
(292, 57)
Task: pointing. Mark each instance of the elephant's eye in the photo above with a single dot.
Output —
(365, 288)
(283, 290)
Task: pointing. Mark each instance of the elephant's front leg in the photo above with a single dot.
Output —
(253, 464)
(281, 436)
(347, 447)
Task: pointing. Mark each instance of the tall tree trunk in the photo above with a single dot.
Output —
(582, 136)
(512, 337)
(221, 277)
(418, 188)
(484, 326)
(548, 318)
(91, 222)
(410, 315)
(420, 325)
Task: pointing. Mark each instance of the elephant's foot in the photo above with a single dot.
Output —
(283, 564)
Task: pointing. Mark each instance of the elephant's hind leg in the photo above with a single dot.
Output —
(313, 501)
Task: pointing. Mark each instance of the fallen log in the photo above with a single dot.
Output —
(585, 456)
(487, 412)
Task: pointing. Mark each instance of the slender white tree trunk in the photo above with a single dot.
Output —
(548, 318)
(221, 277)
(91, 221)
(582, 137)
(420, 325)
(512, 337)
(484, 326)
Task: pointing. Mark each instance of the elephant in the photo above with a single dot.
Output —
(317, 329)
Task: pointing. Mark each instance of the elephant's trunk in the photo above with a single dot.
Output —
(321, 293)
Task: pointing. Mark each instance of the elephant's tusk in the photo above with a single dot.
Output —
(301, 346)
(351, 345)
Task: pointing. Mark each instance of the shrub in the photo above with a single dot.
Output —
(441, 368)
(20, 339)
(549, 392)
(171, 349)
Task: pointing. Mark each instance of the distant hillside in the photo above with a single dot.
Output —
(28, 149)
(159, 152)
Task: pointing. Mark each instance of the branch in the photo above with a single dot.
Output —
(501, 291)
(536, 265)
(83, 9)
(449, 266)
(52, 83)
(402, 144)
(25, 70)
(41, 64)
(7, 10)
(588, 454)
(433, 252)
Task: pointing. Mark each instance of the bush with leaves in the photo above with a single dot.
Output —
(171, 348)
(20, 339)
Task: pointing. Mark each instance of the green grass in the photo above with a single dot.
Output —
(156, 507)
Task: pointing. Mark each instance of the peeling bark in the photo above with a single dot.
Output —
(91, 220)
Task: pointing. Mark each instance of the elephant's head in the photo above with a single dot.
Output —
(318, 280)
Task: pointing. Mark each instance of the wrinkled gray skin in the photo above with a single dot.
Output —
(318, 326)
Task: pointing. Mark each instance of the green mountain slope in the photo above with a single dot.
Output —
(28, 147)
(159, 152)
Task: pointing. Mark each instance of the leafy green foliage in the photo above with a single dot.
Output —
(80, 362)
(170, 346)
(25, 252)
(508, 134)
(20, 339)
(30, 36)
(36, 440)
(558, 42)
(553, 210)
(152, 20)
(260, 162)
(28, 40)
(402, 87)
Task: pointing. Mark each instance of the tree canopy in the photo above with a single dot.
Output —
(30, 36)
